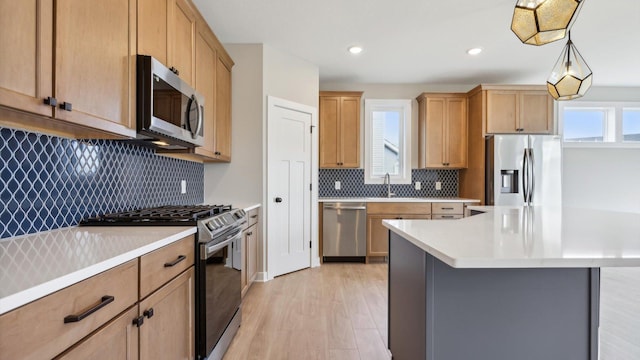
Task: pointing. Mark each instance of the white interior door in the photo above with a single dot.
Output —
(288, 189)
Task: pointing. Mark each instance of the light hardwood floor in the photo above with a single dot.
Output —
(337, 311)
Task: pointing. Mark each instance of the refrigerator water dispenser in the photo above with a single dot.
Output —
(509, 183)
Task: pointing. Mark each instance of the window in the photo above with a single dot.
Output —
(600, 124)
(387, 144)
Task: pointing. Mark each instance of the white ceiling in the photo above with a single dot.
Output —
(425, 41)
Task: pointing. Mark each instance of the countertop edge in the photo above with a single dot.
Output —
(399, 199)
(251, 207)
(24, 297)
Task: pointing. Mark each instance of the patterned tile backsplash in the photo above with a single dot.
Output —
(48, 182)
(352, 184)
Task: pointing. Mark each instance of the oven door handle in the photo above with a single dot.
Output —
(213, 248)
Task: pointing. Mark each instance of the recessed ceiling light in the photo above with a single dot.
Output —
(355, 49)
(474, 51)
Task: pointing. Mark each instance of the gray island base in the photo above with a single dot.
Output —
(438, 312)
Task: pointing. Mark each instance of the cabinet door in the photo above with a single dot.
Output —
(456, 139)
(152, 29)
(222, 128)
(434, 125)
(168, 333)
(95, 63)
(116, 340)
(378, 234)
(329, 117)
(252, 254)
(182, 34)
(26, 41)
(536, 112)
(349, 135)
(206, 59)
(502, 111)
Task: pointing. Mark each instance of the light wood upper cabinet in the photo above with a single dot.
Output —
(206, 59)
(519, 111)
(340, 129)
(222, 128)
(442, 126)
(167, 31)
(26, 73)
(91, 57)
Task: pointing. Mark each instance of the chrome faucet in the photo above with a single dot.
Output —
(387, 181)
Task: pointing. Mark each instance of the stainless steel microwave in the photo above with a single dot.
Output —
(169, 112)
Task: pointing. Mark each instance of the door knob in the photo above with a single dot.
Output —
(278, 199)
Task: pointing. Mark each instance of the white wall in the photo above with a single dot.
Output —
(394, 91)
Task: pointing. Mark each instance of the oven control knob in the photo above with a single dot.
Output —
(210, 225)
(239, 214)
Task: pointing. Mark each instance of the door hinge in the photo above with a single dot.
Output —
(310, 187)
(309, 244)
(311, 128)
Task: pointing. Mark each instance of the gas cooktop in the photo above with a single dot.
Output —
(163, 215)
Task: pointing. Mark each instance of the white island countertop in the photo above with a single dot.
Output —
(533, 237)
(399, 199)
(36, 265)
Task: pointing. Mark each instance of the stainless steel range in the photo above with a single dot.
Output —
(218, 288)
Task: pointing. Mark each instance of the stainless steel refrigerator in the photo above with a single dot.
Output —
(523, 170)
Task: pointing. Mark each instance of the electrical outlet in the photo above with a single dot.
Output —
(337, 185)
(418, 186)
(183, 187)
(438, 185)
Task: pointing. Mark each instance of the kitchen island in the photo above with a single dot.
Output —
(512, 283)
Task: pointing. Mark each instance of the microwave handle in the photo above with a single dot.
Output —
(200, 115)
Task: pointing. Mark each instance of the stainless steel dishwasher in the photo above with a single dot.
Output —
(344, 231)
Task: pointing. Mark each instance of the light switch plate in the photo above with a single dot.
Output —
(337, 185)
(183, 187)
(438, 185)
(418, 185)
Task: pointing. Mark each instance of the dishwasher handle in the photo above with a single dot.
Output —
(345, 208)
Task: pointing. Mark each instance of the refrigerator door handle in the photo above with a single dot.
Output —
(532, 175)
(525, 178)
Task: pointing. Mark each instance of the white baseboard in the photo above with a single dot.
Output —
(261, 276)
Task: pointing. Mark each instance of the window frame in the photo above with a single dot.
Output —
(612, 127)
(371, 105)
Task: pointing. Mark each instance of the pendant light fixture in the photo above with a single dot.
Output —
(539, 22)
(571, 77)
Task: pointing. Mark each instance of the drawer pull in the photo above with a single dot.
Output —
(447, 208)
(176, 261)
(250, 233)
(254, 216)
(103, 302)
(447, 216)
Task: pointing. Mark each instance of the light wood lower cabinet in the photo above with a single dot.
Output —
(250, 251)
(167, 331)
(378, 234)
(144, 308)
(38, 330)
(116, 340)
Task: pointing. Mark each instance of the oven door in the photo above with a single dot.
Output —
(220, 291)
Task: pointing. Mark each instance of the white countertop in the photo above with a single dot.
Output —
(36, 265)
(398, 199)
(535, 237)
(248, 207)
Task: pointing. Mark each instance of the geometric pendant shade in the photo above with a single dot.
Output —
(539, 22)
(571, 77)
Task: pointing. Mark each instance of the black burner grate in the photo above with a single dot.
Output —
(166, 215)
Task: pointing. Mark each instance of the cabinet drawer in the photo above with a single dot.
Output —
(446, 217)
(162, 265)
(399, 208)
(252, 217)
(448, 208)
(38, 330)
